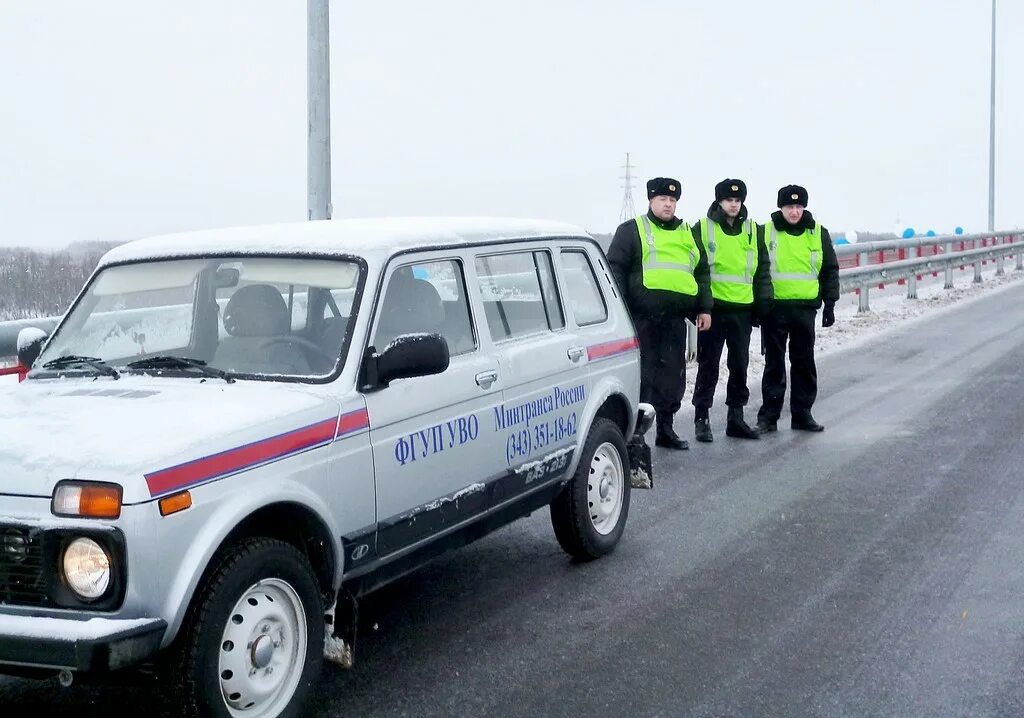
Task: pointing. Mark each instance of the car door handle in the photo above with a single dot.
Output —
(486, 378)
(575, 353)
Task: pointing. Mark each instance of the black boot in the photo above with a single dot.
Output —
(666, 436)
(803, 421)
(702, 427)
(765, 426)
(736, 426)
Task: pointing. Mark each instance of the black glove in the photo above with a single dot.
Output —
(828, 315)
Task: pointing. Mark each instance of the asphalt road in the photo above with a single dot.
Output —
(874, 569)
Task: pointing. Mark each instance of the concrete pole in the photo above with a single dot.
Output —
(992, 136)
(318, 98)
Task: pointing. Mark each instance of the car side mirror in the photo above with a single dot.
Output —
(30, 343)
(406, 356)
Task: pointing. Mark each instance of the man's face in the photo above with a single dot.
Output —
(793, 212)
(663, 207)
(731, 206)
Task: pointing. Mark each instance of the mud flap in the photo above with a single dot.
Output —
(342, 622)
(641, 473)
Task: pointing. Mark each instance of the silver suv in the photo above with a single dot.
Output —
(234, 435)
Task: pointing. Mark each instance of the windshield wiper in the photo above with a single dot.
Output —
(70, 360)
(169, 361)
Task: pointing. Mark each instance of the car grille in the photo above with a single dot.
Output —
(22, 576)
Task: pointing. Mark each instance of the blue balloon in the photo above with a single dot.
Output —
(958, 230)
(841, 240)
(908, 233)
(930, 233)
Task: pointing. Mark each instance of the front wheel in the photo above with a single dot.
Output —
(254, 645)
(589, 514)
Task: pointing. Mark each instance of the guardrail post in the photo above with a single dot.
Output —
(862, 299)
(977, 271)
(912, 286)
(1019, 241)
(947, 249)
(1001, 260)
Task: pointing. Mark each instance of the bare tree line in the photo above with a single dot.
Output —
(39, 283)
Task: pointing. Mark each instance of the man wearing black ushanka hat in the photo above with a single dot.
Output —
(742, 289)
(663, 274)
(805, 275)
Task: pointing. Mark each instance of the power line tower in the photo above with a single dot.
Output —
(628, 210)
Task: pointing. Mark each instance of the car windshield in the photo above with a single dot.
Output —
(213, 316)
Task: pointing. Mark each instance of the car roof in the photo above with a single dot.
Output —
(379, 238)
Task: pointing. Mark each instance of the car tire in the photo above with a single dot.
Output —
(257, 610)
(590, 512)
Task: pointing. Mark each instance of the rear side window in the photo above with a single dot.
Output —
(430, 298)
(519, 294)
(581, 291)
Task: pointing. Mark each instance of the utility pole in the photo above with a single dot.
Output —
(318, 98)
(992, 133)
(628, 210)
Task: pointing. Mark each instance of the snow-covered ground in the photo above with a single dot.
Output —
(890, 308)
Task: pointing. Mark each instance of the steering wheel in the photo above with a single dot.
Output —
(311, 347)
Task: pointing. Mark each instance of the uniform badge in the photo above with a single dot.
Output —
(671, 188)
(735, 188)
(796, 196)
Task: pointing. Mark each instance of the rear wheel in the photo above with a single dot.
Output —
(590, 513)
(254, 644)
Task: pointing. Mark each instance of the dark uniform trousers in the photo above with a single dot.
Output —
(662, 362)
(797, 325)
(730, 329)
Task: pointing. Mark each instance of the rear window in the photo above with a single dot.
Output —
(519, 294)
(582, 291)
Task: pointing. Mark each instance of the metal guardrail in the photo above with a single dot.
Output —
(929, 255)
(873, 264)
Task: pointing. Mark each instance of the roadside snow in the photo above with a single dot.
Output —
(890, 309)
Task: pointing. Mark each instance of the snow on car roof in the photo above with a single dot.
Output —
(362, 237)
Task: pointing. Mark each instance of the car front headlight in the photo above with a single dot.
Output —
(86, 568)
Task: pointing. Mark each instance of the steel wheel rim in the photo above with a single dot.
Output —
(605, 488)
(262, 650)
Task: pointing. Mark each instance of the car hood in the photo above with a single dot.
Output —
(140, 431)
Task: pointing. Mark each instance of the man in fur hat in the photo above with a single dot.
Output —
(662, 271)
(805, 277)
(742, 290)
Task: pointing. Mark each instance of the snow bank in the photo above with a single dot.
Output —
(890, 309)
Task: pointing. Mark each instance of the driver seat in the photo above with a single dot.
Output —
(255, 314)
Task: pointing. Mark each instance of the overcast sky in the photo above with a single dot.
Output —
(122, 118)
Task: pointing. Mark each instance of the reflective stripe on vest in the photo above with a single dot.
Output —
(731, 281)
(668, 257)
(795, 268)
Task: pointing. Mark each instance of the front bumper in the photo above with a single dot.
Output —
(95, 645)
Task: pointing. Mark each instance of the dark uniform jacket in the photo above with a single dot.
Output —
(625, 257)
(762, 276)
(828, 275)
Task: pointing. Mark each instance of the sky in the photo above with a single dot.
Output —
(121, 119)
